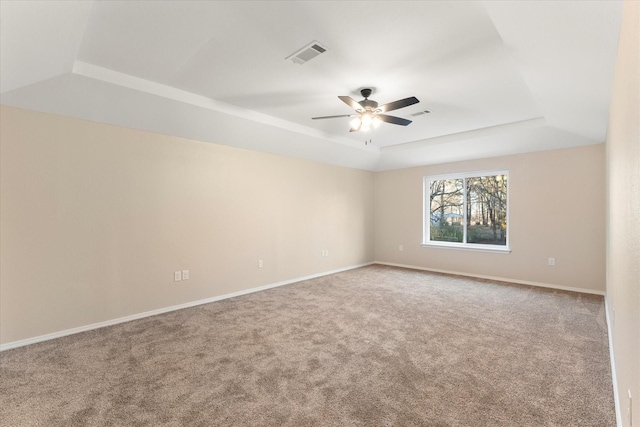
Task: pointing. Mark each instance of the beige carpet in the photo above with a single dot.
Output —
(376, 346)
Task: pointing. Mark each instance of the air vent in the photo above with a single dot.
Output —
(419, 113)
(307, 53)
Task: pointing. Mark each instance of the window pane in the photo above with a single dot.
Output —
(487, 210)
(447, 210)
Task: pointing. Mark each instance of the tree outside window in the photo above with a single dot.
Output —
(466, 209)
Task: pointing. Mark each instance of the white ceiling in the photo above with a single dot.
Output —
(500, 77)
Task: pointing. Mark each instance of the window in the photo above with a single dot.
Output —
(467, 210)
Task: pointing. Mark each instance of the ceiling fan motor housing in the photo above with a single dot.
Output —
(366, 103)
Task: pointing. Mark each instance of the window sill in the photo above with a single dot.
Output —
(468, 247)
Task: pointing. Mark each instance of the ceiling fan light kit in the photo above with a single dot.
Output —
(365, 121)
(369, 114)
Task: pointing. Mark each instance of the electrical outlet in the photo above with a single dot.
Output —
(260, 263)
(552, 261)
(401, 248)
(185, 274)
(177, 276)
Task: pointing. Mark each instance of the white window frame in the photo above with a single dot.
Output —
(426, 211)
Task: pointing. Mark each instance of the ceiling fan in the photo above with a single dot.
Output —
(368, 113)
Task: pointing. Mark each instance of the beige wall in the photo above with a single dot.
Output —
(95, 219)
(623, 220)
(556, 209)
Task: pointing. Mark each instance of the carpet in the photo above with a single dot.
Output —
(374, 346)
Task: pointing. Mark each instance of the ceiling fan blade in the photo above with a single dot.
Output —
(333, 117)
(351, 102)
(401, 103)
(357, 128)
(393, 119)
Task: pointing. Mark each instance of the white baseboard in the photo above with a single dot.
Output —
(98, 325)
(499, 279)
(614, 377)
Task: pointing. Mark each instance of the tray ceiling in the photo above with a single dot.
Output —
(498, 77)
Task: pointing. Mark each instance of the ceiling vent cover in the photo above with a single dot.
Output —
(307, 53)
